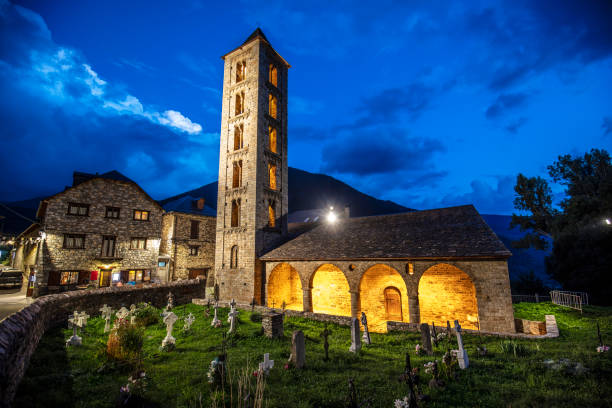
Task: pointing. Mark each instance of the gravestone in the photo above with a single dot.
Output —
(266, 365)
(298, 349)
(132, 314)
(107, 313)
(73, 321)
(272, 324)
(215, 320)
(83, 316)
(170, 304)
(325, 334)
(355, 339)
(232, 321)
(366, 333)
(462, 357)
(189, 321)
(232, 306)
(434, 335)
(169, 320)
(122, 314)
(426, 338)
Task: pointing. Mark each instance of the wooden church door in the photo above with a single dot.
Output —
(393, 304)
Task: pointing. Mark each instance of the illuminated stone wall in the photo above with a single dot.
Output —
(330, 291)
(372, 298)
(447, 293)
(284, 285)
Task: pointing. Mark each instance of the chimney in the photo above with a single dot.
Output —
(200, 203)
(347, 211)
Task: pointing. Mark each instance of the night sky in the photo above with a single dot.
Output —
(428, 104)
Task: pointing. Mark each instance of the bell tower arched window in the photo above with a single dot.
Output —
(272, 139)
(235, 213)
(238, 136)
(234, 257)
(240, 71)
(237, 174)
(239, 103)
(271, 214)
(273, 106)
(272, 175)
(273, 75)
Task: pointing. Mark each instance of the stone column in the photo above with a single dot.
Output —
(307, 299)
(413, 309)
(355, 304)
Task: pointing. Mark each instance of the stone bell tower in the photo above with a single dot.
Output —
(252, 203)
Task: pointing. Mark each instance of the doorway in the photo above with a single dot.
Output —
(393, 304)
(194, 273)
(105, 277)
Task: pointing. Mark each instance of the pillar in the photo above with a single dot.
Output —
(355, 304)
(413, 309)
(307, 299)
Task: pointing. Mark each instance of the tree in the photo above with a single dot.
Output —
(581, 239)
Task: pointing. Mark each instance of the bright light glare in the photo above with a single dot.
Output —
(331, 217)
(608, 221)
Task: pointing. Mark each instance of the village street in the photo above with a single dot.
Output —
(12, 300)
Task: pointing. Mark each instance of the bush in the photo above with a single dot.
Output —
(146, 315)
(256, 317)
(514, 348)
(125, 342)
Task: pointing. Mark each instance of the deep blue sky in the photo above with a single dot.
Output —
(429, 104)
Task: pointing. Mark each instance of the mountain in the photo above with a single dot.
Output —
(312, 191)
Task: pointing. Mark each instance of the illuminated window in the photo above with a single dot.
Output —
(74, 241)
(273, 75)
(193, 250)
(237, 174)
(272, 106)
(272, 137)
(195, 229)
(234, 257)
(112, 212)
(238, 136)
(78, 209)
(272, 175)
(236, 213)
(69, 278)
(138, 243)
(108, 246)
(239, 103)
(240, 71)
(271, 214)
(141, 215)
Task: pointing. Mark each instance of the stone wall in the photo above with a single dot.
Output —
(21, 332)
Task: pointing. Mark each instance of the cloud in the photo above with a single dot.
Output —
(606, 125)
(303, 106)
(505, 102)
(389, 104)
(513, 127)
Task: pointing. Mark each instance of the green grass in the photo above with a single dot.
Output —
(78, 377)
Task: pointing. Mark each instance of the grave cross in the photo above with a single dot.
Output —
(132, 314)
(325, 333)
(75, 340)
(266, 365)
(366, 333)
(189, 321)
(83, 316)
(215, 320)
(169, 320)
(434, 334)
(122, 313)
(232, 320)
(107, 313)
(462, 357)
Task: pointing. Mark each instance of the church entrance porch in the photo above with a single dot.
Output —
(285, 288)
(383, 296)
(448, 293)
(330, 291)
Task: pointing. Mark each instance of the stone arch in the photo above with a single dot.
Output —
(330, 291)
(375, 282)
(448, 293)
(284, 285)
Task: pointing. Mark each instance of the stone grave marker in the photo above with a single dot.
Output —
(366, 333)
(434, 335)
(462, 357)
(73, 321)
(266, 365)
(426, 338)
(107, 313)
(189, 321)
(215, 320)
(272, 324)
(298, 349)
(232, 321)
(83, 316)
(325, 334)
(170, 304)
(132, 314)
(122, 314)
(232, 306)
(355, 338)
(169, 320)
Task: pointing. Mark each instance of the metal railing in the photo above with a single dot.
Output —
(574, 300)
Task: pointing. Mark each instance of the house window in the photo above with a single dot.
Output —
(238, 136)
(195, 229)
(69, 278)
(234, 257)
(272, 139)
(112, 212)
(78, 209)
(235, 213)
(193, 250)
(240, 71)
(108, 246)
(273, 75)
(138, 243)
(272, 106)
(271, 214)
(74, 241)
(237, 176)
(141, 215)
(138, 275)
(272, 175)
(239, 103)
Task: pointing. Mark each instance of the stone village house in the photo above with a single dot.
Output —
(424, 266)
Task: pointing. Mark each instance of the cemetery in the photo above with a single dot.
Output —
(221, 355)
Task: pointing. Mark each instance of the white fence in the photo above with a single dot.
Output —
(574, 300)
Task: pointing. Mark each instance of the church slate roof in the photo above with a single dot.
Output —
(454, 232)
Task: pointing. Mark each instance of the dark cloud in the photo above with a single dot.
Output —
(514, 126)
(606, 125)
(390, 104)
(504, 103)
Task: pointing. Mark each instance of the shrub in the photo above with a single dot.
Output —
(125, 342)
(146, 315)
(256, 317)
(514, 348)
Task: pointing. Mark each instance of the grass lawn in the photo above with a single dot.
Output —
(82, 377)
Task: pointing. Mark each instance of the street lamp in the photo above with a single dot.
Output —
(331, 217)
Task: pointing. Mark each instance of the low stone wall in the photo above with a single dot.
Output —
(21, 332)
(529, 326)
